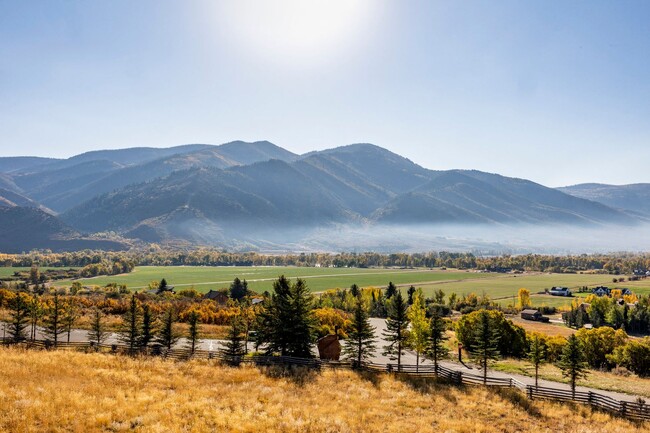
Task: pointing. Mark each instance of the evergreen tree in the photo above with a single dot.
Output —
(238, 289)
(167, 335)
(193, 331)
(129, 332)
(97, 333)
(411, 292)
(53, 321)
(537, 354)
(419, 333)
(360, 344)
(289, 325)
(162, 287)
(437, 337)
(391, 290)
(18, 316)
(70, 316)
(234, 345)
(148, 331)
(354, 290)
(572, 362)
(485, 347)
(396, 329)
(303, 324)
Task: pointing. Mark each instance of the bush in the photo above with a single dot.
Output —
(633, 355)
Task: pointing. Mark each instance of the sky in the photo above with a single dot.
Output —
(553, 91)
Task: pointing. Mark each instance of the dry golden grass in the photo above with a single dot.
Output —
(76, 392)
(605, 380)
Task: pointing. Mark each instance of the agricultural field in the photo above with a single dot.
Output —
(500, 287)
(504, 288)
(204, 278)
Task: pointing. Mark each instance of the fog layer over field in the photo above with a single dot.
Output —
(480, 239)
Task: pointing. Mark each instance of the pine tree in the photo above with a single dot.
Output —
(53, 321)
(19, 316)
(234, 345)
(302, 326)
(70, 316)
(193, 331)
(167, 335)
(537, 354)
(97, 333)
(360, 344)
(391, 290)
(419, 333)
(485, 347)
(411, 292)
(437, 336)
(396, 329)
(129, 332)
(288, 326)
(572, 362)
(354, 290)
(162, 287)
(238, 289)
(148, 331)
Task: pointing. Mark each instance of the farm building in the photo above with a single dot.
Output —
(560, 291)
(533, 315)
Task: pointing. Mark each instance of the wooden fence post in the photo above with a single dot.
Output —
(530, 391)
(623, 408)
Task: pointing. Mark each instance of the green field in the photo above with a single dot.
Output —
(204, 278)
(501, 287)
(505, 287)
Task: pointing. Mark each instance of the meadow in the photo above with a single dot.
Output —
(260, 278)
(501, 287)
(60, 391)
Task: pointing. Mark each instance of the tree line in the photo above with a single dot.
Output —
(155, 255)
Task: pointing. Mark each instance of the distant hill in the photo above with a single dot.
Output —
(13, 199)
(477, 197)
(633, 197)
(9, 164)
(63, 184)
(250, 194)
(27, 228)
(271, 193)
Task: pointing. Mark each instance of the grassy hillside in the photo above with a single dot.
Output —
(75, 392)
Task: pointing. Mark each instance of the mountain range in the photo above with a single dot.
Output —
(255, 194)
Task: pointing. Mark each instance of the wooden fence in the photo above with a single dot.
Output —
(637, 411)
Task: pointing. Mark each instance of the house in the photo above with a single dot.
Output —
(601, 291)
(220, 296)
(560, 291)
(533, 315)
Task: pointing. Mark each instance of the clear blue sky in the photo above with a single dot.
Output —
(554, 91)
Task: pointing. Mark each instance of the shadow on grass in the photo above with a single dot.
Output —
(431, 385)
(370, 376)
(299, 375)
(518, 399)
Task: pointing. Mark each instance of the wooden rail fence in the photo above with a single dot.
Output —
(637, 410)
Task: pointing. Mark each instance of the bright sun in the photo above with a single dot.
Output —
(295, 30)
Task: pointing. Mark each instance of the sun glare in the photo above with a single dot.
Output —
(295, 31)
